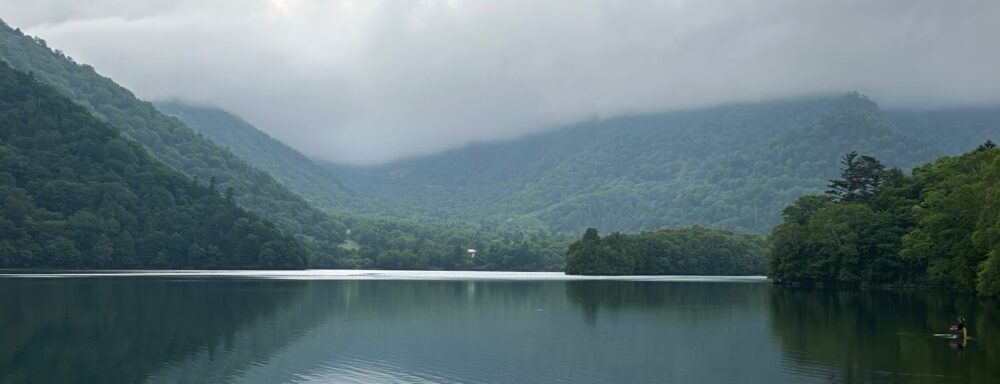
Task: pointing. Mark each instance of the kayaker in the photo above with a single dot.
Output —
(959, 328)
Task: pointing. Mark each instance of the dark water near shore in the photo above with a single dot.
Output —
(470, 328)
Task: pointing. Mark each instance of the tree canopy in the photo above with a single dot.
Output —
(937, 227)
(687, 251)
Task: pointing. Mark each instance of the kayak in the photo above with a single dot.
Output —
(963, 334)
(949, 335)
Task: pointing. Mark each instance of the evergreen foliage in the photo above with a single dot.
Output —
(862, 177)
(938, 227)
(687, 251)
(74, 193)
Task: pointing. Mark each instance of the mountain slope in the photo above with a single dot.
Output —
(174, 143)
(288, 166)
(731, 167)
(382, 243)
(954, 131)
(75, 194)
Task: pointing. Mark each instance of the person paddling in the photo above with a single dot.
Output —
(959, 329)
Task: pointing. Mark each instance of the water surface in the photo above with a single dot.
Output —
(443, 327)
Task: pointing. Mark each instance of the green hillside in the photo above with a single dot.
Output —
(177, 145)
(291, 168)
(74, 193)
(953, 131)
(375, 240)
(346, 241)
(731, 167)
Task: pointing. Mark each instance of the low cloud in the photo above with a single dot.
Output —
(369, 81)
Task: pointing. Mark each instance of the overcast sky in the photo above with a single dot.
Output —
(369, 81)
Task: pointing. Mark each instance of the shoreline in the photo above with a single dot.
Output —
(359, 274)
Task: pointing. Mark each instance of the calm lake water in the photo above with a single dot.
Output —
(375, 327)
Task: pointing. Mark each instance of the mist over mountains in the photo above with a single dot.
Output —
(732, 167)
(363, 82)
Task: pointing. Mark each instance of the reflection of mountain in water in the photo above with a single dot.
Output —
(865, 336)
(122, 330)
(494, 331)
(228, 358)
(527, 332)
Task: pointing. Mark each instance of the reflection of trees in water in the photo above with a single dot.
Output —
(389, 298)
(365, 325)
(132, 329)
(615, 295)
(873, 335)
(123, 329)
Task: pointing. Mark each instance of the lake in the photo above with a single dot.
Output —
(446, 327)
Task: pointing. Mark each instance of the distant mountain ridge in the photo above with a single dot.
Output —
(304, 177)
(733, 167)
(954, 130)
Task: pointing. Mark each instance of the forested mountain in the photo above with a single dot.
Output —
(954, 131)
(376, 242)
(172, 142)
(939, 227)
(74, 193)
(731, 167)
(291, 168)
(347, 241)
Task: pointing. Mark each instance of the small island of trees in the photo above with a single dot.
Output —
(688, 251)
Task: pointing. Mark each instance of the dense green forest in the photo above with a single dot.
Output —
(731, 167)
(687, 251)
(402, 244)
(74, 193)
(938, 227)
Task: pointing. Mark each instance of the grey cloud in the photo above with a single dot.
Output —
(367, 81)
